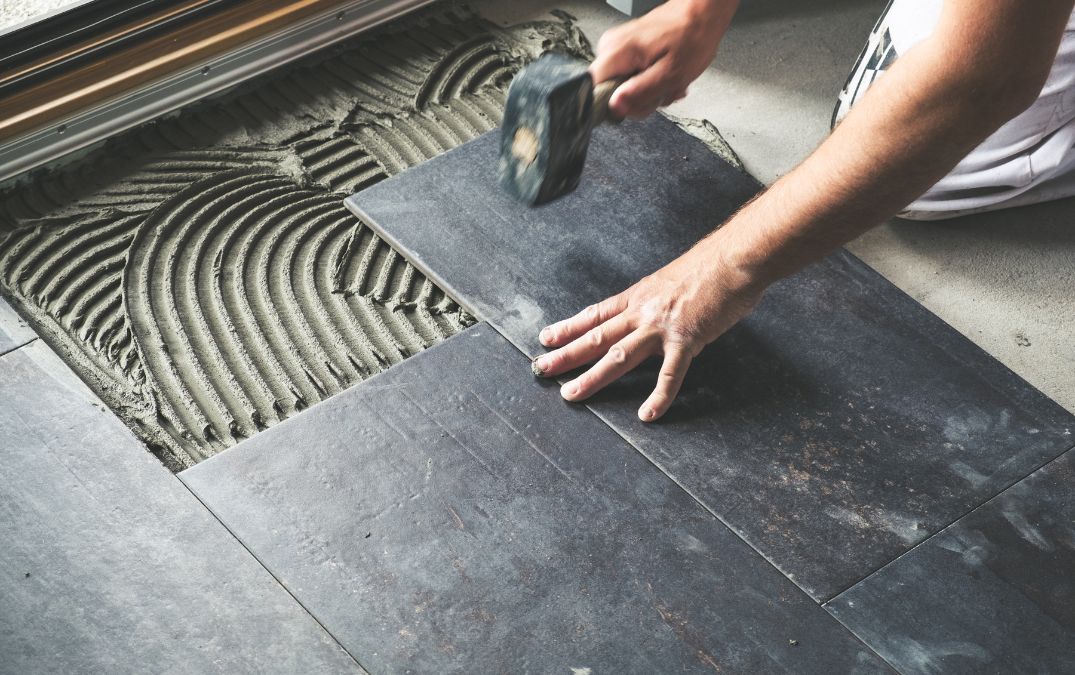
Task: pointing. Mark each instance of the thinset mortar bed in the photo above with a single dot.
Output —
(202, 274)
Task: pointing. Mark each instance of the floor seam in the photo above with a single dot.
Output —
(275, 578)
(19, 346)
(944, 529)
(705, 507)
(858, 637)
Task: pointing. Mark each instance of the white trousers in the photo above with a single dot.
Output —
(1028, 160)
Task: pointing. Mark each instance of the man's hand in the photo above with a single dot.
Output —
(675, 312)
(661, 52)
(985, 62)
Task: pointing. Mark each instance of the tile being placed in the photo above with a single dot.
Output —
(993, 593)
(450, 515)
(521, 268)
(834, 429)
(109, 564)
(14, 332)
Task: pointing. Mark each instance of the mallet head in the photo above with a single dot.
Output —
(546, 131)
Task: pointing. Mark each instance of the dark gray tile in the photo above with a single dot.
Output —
(521, 268)
(451, 515)
(14, 332)
(842, 424)
(108, 564)
(835, 428)
(994, 593)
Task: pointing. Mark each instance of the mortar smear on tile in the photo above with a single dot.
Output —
(202, 274)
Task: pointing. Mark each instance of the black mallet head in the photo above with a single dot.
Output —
(548, 119)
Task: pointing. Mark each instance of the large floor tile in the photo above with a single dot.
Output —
(14, 332)
(521, 268)
(450, 515)
(994, 593)
(835, 428)
(109, 565)
(1003, 279)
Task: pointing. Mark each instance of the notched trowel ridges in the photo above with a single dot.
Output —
(202, 273)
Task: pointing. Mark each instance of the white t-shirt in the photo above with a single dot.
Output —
(1034, 147)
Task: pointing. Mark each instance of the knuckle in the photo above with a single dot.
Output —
(611, 306)
(641, 54)
(625, 42)
(599, 312)
(592, 312)
(618, 354)
(610, 39)
(680, 329)
(678, 336)
(596, 336)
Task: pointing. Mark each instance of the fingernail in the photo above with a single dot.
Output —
(569, 390)
(545, 335)
(538, 366)
(646, 414)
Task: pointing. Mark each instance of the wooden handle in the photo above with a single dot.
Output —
(602, 94)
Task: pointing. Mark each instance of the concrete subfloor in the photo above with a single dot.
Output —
(16, 12)
(1004, 280)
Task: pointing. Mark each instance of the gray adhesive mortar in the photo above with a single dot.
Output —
(201, 273)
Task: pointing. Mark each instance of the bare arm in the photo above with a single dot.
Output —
(985, 63)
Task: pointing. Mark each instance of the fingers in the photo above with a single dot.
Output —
(669, 381)
(617, 56)
(641, 95)
(623, 357)
(586, 349)
(620, 54)
(565, 331)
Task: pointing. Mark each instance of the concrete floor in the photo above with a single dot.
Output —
(14, 12)
(1005, 280)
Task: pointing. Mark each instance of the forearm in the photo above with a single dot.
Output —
(919, 119)
(932, 107)
(892, 149)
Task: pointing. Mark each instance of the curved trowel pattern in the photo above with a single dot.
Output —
(202, 274)
(240, 317)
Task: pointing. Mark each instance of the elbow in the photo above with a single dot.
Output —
(996, 63)
(998, 94)
(1013, 94)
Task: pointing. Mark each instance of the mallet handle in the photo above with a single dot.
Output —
(602, 94)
